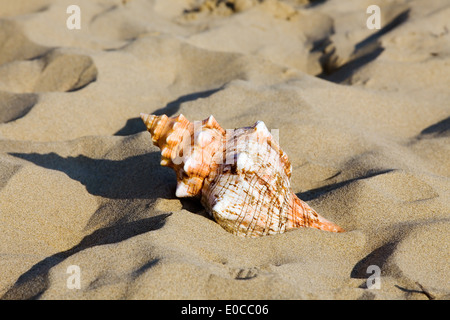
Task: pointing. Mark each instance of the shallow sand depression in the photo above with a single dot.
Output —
(364, 116)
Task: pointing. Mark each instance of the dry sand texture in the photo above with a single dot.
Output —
(364, 116)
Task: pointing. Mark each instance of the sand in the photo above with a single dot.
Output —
(364, 116)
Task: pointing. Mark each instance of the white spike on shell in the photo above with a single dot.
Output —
(242, 176)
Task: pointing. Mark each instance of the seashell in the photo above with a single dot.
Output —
(241, 176)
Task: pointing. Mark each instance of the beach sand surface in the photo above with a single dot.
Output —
(364, 116)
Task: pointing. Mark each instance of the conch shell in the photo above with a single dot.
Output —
(241, 176)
